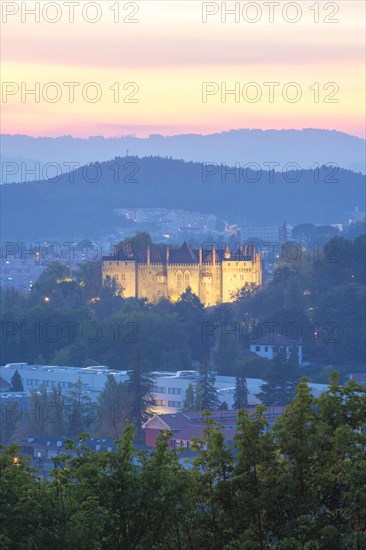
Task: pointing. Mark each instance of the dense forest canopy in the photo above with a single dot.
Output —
(81, 203)
(299, 485)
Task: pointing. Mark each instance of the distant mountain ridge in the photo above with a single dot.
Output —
(82, 204)
(306, 147)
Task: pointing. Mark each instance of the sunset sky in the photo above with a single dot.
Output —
(169, 53)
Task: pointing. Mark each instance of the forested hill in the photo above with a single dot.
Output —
(242, 145)
(81, 203)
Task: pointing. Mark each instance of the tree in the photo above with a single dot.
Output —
(293, 358)
(192, 312)
(299, 484)
(206, 393)
(226, 351)
(139, 386)
(241, 393)
(112, 403)
(293, 294)
(211, 489)
(40, 360)
(88, 277)
(280, 381)
(78, 403)
(255, 467)
(189, 399)
(246, 291)
(47, 416)
(303, 232)
(135, 244)
(16, 382)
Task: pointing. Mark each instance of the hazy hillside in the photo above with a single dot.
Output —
(305, 147)
(74, 206)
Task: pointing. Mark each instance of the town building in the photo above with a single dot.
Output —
(170, 389)
(269, 345)
(215, 276)
(188, 425)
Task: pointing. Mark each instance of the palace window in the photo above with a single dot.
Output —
(186, 279)
(179, 281)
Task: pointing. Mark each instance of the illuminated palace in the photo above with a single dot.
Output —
(213, 275)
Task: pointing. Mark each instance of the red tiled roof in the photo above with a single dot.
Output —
(175, 421)
(189, 431)
(195, 430)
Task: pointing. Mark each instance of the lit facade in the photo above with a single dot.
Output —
(215, 276)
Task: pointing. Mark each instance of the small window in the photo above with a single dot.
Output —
(257, 348)
(266, 348)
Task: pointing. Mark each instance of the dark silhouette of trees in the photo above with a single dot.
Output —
(16, 382)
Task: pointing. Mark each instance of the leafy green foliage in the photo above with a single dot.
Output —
(189, 399)
(280, 380)
(298, 485)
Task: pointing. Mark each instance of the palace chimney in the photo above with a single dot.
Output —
(167, 254)
(200, 256)
(148, 255)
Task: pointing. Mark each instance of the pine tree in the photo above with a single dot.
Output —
(77, 403)
(139, 386)
(189, 399)
(241, 393)
(280, 381)
(112, 403)
(206, 393)
(40, 360)
(293, 358)
(16, 382)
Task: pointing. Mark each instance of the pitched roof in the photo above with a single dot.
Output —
(275, 340)
(173, 421)
(4, 384)
(195, 430)
(183, 255)
(189, 431)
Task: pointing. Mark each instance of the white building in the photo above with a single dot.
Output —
(267, 233)
(170, 389)
(268, 346)
(168, 392)
(34, 376)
